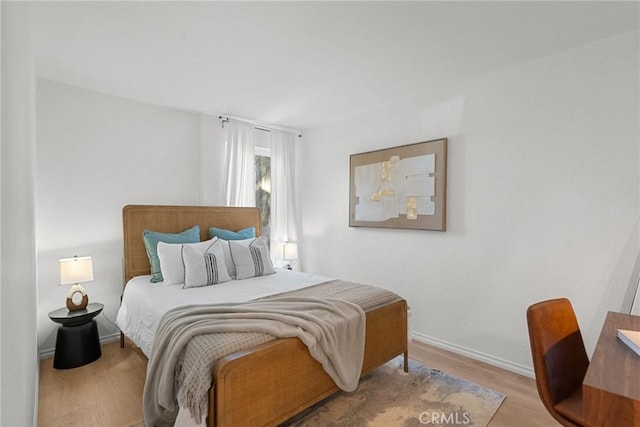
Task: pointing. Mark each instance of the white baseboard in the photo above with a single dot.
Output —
(49, 352)
(473, 354)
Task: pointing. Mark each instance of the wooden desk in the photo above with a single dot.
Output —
(611, 387)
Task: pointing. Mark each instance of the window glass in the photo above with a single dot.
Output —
(263, 190)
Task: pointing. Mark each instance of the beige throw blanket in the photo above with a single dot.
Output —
(333, 331)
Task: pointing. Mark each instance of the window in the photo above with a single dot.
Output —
(263, 187)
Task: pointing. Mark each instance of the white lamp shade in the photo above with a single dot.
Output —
(290, 251)
(76, 270)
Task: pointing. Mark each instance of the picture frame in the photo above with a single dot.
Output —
(400, 187)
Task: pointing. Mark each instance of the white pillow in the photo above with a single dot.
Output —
(251, 258)
(171, 264)
(204, 268)
(227, 257)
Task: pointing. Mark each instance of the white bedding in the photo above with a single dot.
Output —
(144, 303)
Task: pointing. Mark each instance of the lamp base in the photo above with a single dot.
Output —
(71, 305)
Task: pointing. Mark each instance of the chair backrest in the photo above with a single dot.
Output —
(560, 361)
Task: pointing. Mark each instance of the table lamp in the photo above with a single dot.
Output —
(289, 252)
(74, 271)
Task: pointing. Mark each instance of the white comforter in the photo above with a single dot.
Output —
(144, 303)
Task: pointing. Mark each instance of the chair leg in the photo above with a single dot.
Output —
(121, 340)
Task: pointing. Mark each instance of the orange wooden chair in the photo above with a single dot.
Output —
(560, 361)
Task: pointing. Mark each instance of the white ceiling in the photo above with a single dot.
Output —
(300, 64)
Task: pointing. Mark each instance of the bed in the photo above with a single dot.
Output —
(271, 382)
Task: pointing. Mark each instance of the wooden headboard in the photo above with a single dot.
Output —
(174, 219)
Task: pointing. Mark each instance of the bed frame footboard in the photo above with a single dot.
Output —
(272, 382)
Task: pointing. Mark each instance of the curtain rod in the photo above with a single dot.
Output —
(258, 125)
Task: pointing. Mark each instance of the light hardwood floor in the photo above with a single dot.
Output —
(105, 393)
(522, 406)
(108, 392)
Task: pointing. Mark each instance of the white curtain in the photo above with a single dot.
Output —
(240, 177)
(284, 226)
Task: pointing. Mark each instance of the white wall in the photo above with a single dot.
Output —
(18, 348)
(95, 154)
(542, 200)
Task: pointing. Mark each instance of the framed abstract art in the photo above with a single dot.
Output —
(400, 187)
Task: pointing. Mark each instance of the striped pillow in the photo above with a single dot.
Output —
(251, 258)
(204, 268)
(171, 262)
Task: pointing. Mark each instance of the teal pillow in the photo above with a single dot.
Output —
(151, 239)
(245, 233)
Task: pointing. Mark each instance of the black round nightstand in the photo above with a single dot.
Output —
(77, 342)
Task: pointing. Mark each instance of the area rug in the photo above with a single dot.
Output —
(389, 397)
